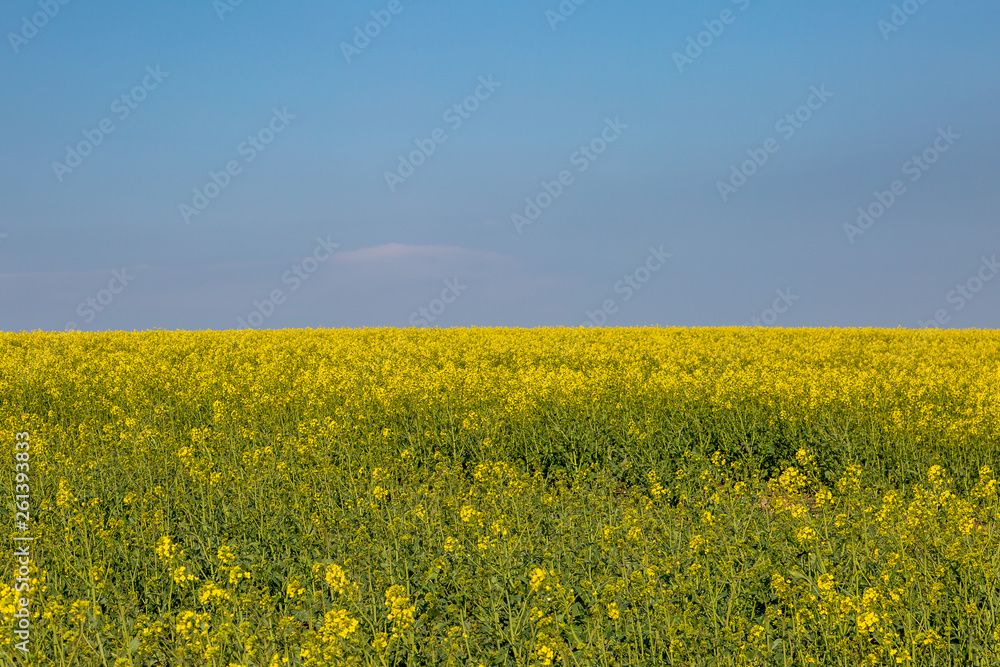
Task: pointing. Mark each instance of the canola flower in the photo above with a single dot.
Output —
(551, 496)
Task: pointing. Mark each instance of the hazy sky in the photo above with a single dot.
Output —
(214, 165)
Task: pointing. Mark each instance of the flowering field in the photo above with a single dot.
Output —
(503, 496)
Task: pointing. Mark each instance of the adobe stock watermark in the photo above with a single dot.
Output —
(248, 149)
(92, 305)
(294, 277)
(454, 116)
(362, 38)
(223, 7)
(425, 315)
(964, 292)
(581, 158)
(562, 13)
(31, 25)
(786, 126)
(22, 522)
(899, 17)
(915, 168)
(630, 283)
(714, 28)
(780, 306)
(122, 107)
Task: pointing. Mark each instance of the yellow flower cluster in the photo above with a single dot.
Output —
(338, 622)
(336, 578)
(400, 609)
(537, 577)
(166, 549)
(211, 594)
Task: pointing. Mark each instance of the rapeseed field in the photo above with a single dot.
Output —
(648, 496)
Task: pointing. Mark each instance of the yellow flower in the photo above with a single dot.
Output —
(8, 600)
(180, 575)
(225, 555)
(294, 588)
(537, 577)
(805, 535)
(545, 648)
(656, 489)
(805, 457)
(868, 622)
(191, 622)
(780, 585)
(338, 623)
(212, 594)
(400, 610)
(236, 573)
(166, 549)
(928, 637)
(64, 496)
(336, 578)
(935, 475)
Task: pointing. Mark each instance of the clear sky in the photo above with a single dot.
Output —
(213, 165)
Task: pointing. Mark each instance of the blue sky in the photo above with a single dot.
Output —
(652, 115)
